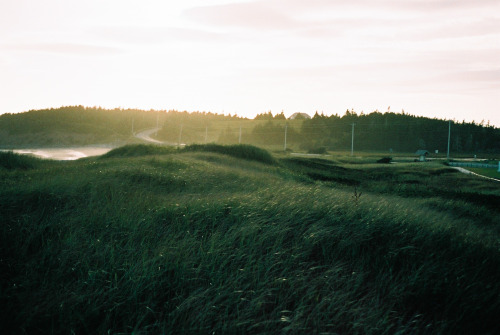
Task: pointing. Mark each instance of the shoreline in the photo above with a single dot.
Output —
(63, 153)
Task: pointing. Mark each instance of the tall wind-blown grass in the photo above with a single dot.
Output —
(10, 161)
(136, 150)
(244, 151)
(178, 244)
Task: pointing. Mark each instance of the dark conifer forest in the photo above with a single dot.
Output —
(376, 131)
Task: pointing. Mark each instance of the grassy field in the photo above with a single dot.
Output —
(213, 239)
(492, 173)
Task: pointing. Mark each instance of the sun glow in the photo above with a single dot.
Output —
(247, 57)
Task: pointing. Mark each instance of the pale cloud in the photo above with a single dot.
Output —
(142, 35)
(432, 57)
(393, 5)
(63, 48)
(256, 15)
(319, 18)
(491, 78)
(456, 29)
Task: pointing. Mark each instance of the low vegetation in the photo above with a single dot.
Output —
(136, 150)
(200, 240)
(12, 161)
(248, 152)
(492, 173)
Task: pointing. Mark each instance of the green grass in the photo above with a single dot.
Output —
(136, 150)
(12, 161)
(197, 241)
(245, 151)
(492, 173)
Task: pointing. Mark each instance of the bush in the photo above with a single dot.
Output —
(385, 160)
(10, 161)
(317, 150)
(244, 151)
(135, 150)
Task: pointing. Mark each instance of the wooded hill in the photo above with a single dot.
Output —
(396, 132)
(72, 125)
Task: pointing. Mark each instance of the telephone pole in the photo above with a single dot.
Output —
(352, 140)
(157, 122)
(286, 129)
(180, 136)
(449, 136)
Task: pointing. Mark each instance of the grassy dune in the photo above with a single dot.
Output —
(208, 239)
(12, 161)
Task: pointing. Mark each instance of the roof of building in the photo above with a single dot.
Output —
(300, 115)
(422, 152)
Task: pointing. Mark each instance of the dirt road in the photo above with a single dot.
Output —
(146, 135)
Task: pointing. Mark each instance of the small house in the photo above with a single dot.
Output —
(300, 116)
(422, 155)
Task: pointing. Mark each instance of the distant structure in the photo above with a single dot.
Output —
(299, 116)
(422, 155)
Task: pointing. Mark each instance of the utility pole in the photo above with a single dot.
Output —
(352, 140)
(286, 129)
(449, 136)
(180, 136)
(157, 122)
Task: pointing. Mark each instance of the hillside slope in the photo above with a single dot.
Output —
(72, 125)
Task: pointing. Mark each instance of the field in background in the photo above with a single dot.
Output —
(229, 239)
(492, 173)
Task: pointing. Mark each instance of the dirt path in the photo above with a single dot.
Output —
(146, 135)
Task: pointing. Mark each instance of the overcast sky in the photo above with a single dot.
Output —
(435, 58)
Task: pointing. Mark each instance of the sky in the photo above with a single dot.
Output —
(433, 58)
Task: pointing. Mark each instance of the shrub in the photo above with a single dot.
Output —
(10, 161)
(317, 150)
(135, 150)
(244, 151)
(385, 160)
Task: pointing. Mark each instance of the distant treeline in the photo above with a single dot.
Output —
(372, 132)
(399, 132)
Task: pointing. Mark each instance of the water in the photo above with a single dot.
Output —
(64, 154)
